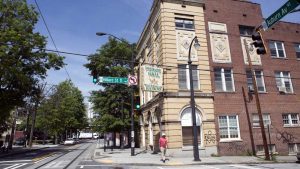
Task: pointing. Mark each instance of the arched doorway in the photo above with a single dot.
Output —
(187, 126)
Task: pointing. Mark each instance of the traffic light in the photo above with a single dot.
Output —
(259, 43)
(137, 104)
(95, 76)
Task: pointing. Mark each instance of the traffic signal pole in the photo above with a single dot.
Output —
(262, 127)
(132, 104)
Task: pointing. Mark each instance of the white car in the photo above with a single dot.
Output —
(69, 142)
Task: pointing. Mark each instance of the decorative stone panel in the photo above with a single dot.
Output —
(217, 27)
(255, 58)
(220, 48)
(184, 39)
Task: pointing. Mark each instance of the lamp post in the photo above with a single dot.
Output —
(195, 134)
(132, 91)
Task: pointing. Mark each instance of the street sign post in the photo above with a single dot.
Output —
(119, 80)
(280, 13)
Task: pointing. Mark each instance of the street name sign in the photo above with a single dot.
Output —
(118, 80)
(280, 13)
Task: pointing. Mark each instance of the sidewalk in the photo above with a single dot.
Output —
(20, 150)
(144, 158)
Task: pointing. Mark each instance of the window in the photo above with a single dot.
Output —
(229, 127)
(259, 80)
(277, 49)
(224, 80)
(297, 49)
(266, 119)
(284, 82)
(260, 148)
(184, 77)
(290, 119)
(156, 29)
(184, 23)
(246, 30)
(294, 148)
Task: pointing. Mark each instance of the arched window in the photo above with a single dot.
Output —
(187, 126)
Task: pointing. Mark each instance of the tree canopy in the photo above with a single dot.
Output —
(112, 59)
(23, 58)
(63, 110)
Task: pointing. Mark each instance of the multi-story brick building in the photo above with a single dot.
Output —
(220, 70)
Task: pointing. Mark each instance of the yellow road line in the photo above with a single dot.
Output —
(42, 157)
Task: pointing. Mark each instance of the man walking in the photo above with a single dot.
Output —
(163, 145)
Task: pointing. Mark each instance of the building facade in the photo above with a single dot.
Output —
(220, 70)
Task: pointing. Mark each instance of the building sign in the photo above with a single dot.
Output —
(151, 78)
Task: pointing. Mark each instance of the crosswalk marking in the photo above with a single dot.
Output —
(243, 166)
(15, 161)
(15, 166)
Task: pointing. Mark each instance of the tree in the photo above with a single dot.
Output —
(23, 59)
(112, 59)
(63, 110)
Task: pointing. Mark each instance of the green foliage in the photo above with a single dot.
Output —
(112, 59)
(63, 110)
(23, 59)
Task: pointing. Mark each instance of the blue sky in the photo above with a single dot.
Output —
(73, 24)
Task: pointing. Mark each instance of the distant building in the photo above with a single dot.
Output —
(220, 70)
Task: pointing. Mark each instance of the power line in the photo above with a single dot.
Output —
(161, 65)
(51, 36)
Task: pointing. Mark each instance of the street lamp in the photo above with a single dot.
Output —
(132, 90)
(195, 140)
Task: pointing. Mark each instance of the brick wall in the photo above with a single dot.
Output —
(234, 13)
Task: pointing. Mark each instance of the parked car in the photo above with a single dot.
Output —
(69, 141)
(298, 156)
(20, 141)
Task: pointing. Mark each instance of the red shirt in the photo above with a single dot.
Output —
(163, 142)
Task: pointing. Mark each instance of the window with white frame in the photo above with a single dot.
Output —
(259, 80)
(260, 148)
(229, 128)
(294, 148)
(277, 49)
(290, 119)
(184, 77)
(266, 120)
(224, 80)
(183, 23)
(297, 49)
(283, 81)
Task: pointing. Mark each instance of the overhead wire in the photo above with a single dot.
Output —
(51, 37)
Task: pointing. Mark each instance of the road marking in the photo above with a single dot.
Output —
(210, 167)
(16, 161)
(82, 166)
(39, 159)
(242, 166)
(15, 166)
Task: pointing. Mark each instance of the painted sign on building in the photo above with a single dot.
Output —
(151, 78)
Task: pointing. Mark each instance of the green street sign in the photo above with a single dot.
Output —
(280, 13)
(118, 80)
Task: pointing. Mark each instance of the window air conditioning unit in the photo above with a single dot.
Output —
(282, 89)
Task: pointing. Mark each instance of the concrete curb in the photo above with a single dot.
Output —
(187, 164)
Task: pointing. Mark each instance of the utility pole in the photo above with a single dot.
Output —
(249, 123)
(261, 123)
